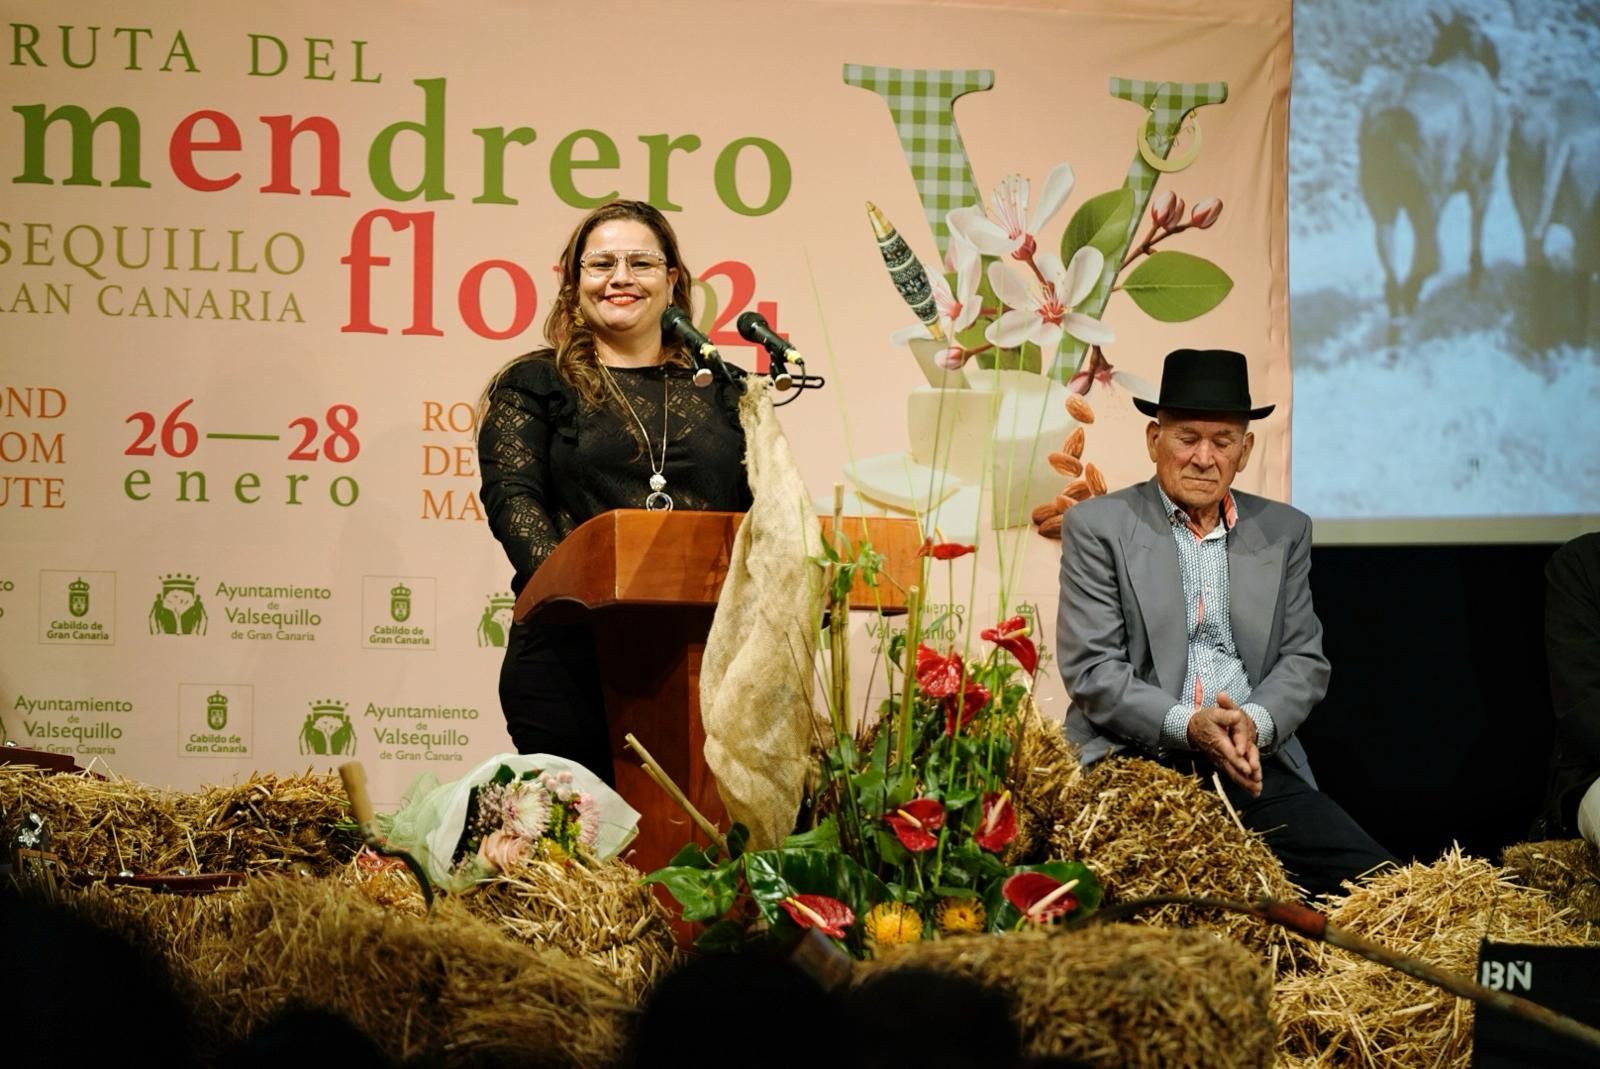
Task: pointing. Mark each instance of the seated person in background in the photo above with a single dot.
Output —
(1186, 632)
(1572, 649)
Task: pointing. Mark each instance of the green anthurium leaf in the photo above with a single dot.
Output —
(705, 894)
(890, 849)
(825, 836)
(946, 891)
(693, 856)
(868, 788)
(897, 646)
(722, 936)
(763, 871)
(737, 837)
(774, 874)
(1174, 286)
(1102, 222)
(959, 799)
(880, 745)
(902, 791)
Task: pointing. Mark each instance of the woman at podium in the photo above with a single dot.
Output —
(604, 417)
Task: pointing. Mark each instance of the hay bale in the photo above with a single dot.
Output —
(1145, 829)
(449, 986)
(165, 927)
(1345, 1010)
(103, 826)
(1117, 995)
(600, 914)
(1568, 870)
(273, 823)
(1044, 766)
(100, 826)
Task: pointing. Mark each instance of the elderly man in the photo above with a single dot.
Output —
(1186, 632)
(1572, 649)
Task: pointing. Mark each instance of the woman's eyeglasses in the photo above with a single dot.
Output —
(602, 263)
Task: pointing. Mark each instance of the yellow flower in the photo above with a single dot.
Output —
(891, 923)
(957, 915)
(551, 850)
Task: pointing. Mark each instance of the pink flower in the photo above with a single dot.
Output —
(1206, 213)
(960, 306)
(559, 784)
(501, 850)
(1166, 209)
(916, 824)
(525, 810)
(588, 819)
(1041, 312)
(1015, 234)
(1012, 636)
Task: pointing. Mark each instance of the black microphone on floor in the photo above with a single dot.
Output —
(676, 326)
(753, 327)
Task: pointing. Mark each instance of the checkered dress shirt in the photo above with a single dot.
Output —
(1214, 664)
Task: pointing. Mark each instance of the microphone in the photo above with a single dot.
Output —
(753, 327)
(676, 326)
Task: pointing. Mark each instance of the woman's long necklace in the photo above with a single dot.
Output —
(658, 500)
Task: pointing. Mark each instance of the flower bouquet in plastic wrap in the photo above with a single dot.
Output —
(511, 809)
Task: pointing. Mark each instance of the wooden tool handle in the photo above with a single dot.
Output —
(355, 785)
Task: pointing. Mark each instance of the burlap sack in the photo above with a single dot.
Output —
(756, 678)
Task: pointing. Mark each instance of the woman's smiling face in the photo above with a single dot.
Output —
(628, 299)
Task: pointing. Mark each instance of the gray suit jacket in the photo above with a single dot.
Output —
(1121, 636)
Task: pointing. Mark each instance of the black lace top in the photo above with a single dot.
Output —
(548, 464)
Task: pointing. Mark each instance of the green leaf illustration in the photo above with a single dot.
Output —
(1174, 286)
(1102, 222)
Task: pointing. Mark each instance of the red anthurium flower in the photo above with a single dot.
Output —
(917, 823)
(999, 824)
(1012, 636)
(1039, 897)
(965, 706)
(944, 550)
(827, 915)
(939, 677)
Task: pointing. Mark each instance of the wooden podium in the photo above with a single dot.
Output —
(647, 584)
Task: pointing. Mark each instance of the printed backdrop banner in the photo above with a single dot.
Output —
(257, 264)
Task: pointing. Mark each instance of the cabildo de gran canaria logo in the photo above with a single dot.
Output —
(495, 624)
(178, 609)
(78, 598)
(400, 603)
(217, 711)
(327, 729)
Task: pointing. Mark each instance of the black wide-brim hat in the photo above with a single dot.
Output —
(1205, 380)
